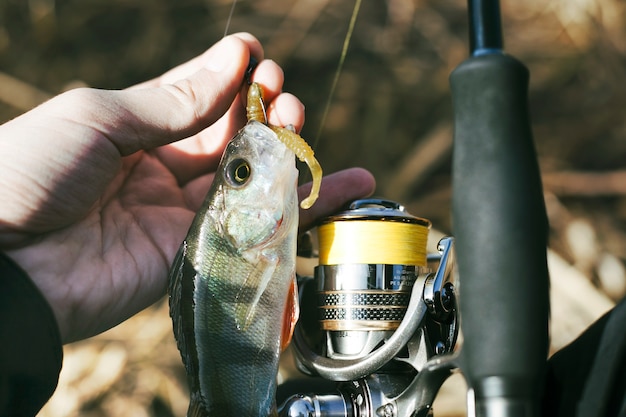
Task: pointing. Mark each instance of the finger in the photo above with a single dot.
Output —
(337, 190)
(264, 75)
(126, 121)
(177, 110)
(201, 153)
(282, 108)
(192, 66)
(285, 110)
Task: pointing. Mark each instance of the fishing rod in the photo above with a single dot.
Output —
(500, 226)
(492, 277)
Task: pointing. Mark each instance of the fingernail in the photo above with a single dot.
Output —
(251, 67)
(221, 56)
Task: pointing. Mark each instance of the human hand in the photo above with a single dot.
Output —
(98, 188)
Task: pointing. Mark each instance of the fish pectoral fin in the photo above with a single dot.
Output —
(251, 290)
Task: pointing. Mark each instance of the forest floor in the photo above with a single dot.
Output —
(391, 113)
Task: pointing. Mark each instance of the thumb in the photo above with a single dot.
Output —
(145, 118)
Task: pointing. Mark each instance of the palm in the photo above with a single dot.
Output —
(119, 234)
(95, 204)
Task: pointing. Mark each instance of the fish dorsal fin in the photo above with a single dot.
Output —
(180, 290)
(252, 289)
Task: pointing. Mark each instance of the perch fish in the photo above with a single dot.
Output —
(232, 284)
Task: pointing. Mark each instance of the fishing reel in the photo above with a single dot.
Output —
(386, 317)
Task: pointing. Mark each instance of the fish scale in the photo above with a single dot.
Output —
(232, 276)
(229, 354)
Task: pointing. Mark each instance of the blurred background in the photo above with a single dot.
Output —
(391, 114)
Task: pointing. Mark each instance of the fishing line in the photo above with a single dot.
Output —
(230, 17)
(344, 52)
(342, 58)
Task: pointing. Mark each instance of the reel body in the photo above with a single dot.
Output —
(383, 315)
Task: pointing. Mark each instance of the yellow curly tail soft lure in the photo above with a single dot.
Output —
(256, 111)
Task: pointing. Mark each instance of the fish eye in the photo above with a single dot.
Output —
(238, 172)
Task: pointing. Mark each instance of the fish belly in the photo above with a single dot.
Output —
(238, 367)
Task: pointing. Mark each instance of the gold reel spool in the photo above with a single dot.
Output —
(372, 241)
(373, 231)
(370, 256)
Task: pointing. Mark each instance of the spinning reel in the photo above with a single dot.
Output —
(387, 315)
(388, 322)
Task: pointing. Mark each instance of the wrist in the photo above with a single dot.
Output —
(31, 353)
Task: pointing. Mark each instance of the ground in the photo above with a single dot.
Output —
(391, 113)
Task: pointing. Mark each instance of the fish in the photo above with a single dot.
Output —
(232, 292)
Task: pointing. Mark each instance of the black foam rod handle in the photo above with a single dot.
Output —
(500, 225)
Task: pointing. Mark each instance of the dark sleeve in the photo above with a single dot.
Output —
(587, 378)
(31, 352)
